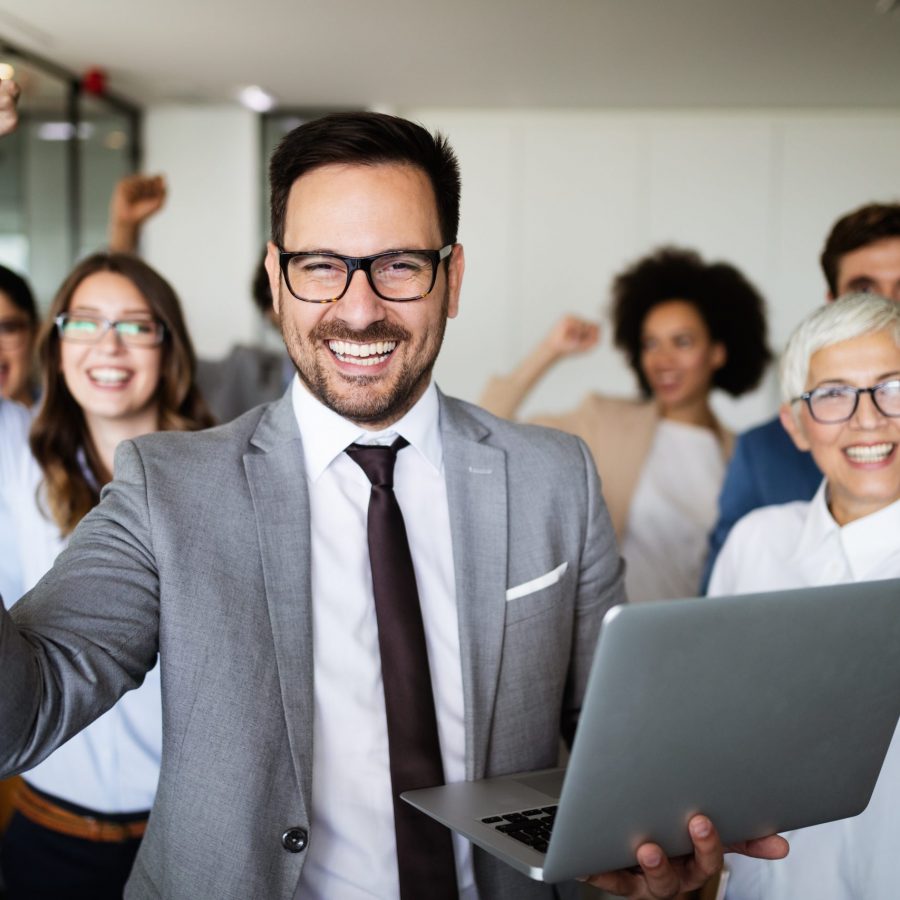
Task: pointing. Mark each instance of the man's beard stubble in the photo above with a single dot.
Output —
(372, 408)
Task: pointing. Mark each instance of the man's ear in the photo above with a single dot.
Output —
(455, 270)
(792, 426)
(274, 272)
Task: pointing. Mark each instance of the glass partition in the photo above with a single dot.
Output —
(57, 170)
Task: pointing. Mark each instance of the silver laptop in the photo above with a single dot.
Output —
(766, 712)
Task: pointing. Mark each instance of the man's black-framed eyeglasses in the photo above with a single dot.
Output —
(397, 275)
(85, 328)
(831, 404)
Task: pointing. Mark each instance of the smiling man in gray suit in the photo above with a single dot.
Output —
(240, 555)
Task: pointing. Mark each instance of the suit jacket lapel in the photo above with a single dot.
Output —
(476, 495)
(277, 480)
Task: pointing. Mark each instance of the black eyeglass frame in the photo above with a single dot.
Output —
(107, 325)
(365, 264)
(807, 397)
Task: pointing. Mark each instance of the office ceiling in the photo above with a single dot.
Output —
(479, 53)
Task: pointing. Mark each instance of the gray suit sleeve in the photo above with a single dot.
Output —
(87, 632)
(600, 587)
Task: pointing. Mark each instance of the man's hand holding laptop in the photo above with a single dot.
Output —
(658, 877)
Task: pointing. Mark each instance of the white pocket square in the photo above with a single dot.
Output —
(537, 584)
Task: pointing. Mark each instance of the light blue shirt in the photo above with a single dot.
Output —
(112, 766)
(15, 421)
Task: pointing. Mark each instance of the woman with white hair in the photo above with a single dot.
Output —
(840, 379)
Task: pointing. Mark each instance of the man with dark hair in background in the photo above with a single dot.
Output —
(861, 254)
(249, 374)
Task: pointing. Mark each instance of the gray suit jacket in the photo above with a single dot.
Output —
(200, 550)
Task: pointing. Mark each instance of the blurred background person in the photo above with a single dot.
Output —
(116, 362)
(861, 254)
(685, 327)
(18, 329)
(840, 379)
(249, 374)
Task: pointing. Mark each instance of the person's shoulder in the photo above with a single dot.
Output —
(241, 359)
(608, 405)
(252, 354)
(767, 435)
(462, 415)
(15, 422)
(504, 432)
(235, 433)
(14, 418)
(768, 525)
(760, 544)
(596, 413)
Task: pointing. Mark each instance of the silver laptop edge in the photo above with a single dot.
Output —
(766, 712)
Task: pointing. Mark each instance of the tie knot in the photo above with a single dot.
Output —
(377, 460)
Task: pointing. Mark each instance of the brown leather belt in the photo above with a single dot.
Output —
(47, 814)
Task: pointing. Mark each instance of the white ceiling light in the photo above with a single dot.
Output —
(64, 131)
(255, 98)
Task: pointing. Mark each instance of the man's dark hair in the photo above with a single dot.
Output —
(16, 288)
(733, 310)
(866, 225)
(365, 138)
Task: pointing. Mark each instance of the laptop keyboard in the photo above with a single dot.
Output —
(530, 826)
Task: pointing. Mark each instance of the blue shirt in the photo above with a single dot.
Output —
(766, 468)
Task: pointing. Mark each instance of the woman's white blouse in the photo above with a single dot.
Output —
(672, 511)
(800, 545)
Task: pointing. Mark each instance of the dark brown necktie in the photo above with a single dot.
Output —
(424, 847)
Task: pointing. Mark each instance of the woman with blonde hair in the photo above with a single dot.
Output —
(116, 362)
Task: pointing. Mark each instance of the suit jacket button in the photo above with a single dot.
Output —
(295, 839)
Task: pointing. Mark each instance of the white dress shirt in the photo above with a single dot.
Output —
(800, 545)
(112, 766)
(352, 848)
(672, 511)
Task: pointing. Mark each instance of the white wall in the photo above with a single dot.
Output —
(759, 189)
(205, 240)
(597, 189)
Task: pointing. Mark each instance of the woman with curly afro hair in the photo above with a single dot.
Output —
(685, 327)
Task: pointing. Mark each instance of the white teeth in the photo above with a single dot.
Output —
(869, 453)
(109, 376)
(363, 354)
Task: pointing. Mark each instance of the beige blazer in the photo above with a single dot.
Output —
(618, 432)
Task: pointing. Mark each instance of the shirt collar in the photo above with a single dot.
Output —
(866, 543)
(325, 434)
(869, 541)
(818, 526)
